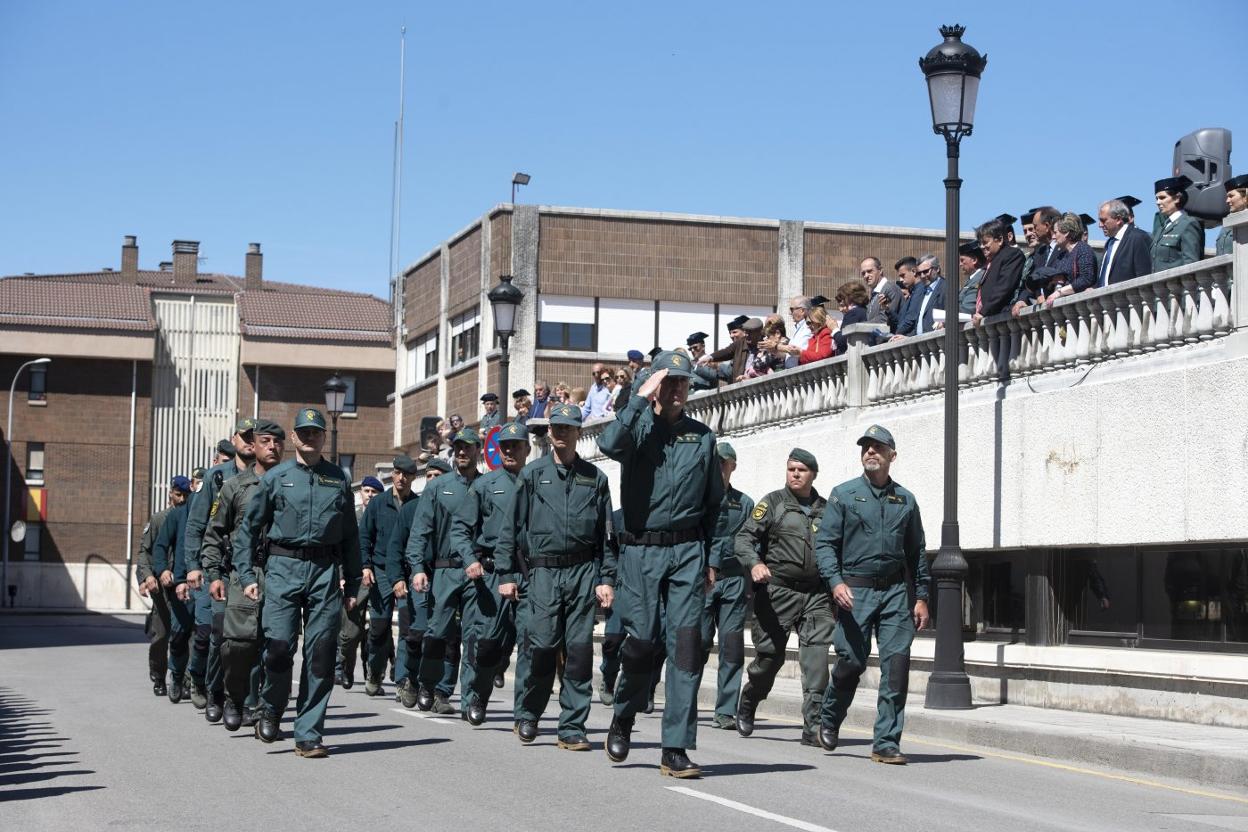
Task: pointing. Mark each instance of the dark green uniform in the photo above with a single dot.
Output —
(1225, 244)
(488, 619)
(378, 522)
(872, 539)
(309, 516)
(559, 521)
(780, 532)
(1176, 242)
(156, 625)
(168, 556)
(241, 626)
(671, 489)
(727, 602)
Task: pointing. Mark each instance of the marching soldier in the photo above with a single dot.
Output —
(157, 623)
(169, 565)
(871, 552)
(414, 606)
(241, 629)
(488, 619)
(726, 603)
(378, 522)
(777, 545)
(560, 517)
(306, 507)
(206, 678)
(671, 492)
(429, 549)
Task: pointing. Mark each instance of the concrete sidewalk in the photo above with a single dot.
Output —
(1201, 753)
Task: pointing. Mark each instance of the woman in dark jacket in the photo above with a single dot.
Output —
(1005, 271)
(1075, 269)
(853, 298)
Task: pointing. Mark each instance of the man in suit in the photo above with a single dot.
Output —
(971, 269)
(881, 287)
(1044, 253)
(916, 289)
(933, 295)
(1005, 271)
(1126, 247)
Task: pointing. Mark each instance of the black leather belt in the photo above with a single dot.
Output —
(797, 584)
(560, 561)
(872, 581)
(304, 552)
(450, 563)
(663, 538)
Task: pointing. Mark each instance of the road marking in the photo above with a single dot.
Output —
(1047, 764)
(419, 715)
(750, 810)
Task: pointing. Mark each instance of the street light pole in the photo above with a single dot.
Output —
(504, 299)
(8, 475)
(335, 401)
(953, 69)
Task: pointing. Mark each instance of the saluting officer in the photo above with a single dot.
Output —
(157, 623)
(671, 488)
(241, 631)
(378, 523)
(727, 601)
(305, 504)
(871, 551)
(777, 545)
(169, 565)
(488, 619)
(429, 551)
(414, 606)
(560, 515)
(206, 677)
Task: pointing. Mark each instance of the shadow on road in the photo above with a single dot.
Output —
(736, 769)
(18, 631)
(24, 734)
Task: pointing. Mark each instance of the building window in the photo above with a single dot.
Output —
(422, 358)
(465, 333)
(348, 403)
(996, 585)
(565, 323)
(347, 463)
(38, 383)
(625, 325)
(34, 462)
(32, 545)
(678, 320)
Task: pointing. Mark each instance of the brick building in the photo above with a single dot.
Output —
(598, 283)
(150, 368)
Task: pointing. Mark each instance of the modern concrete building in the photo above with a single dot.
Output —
(150, 368)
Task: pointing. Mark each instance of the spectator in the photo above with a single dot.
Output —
(562, 394)
(1236, 201)
(767, 356)
(1075, 270)
(1126, 247)
(1029, 228)
(877, 311)
(452, 428)
(853, 298)
(1005, 270)
(819, 345)
(624, 385)
(799, 310)
(1008, 221)
(1042, 228)
(541, 400)
(757, 362)
(578, 397)
(1130, 202)
(971, 268)
(908, 315)
(730, 360)
(491, 417)
(635, 361)
(933, 293)
(704, 377)
(522, 403)
(1177, 238)
(696, 343)
(595, 401)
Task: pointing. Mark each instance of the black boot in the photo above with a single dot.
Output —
(475, 714)
(526, 730)
(676, 763)
(268, 729)
(745, 715)
(231, 716)
(251, 717)
(313, 749)
(158, 688)
(828, 737)
(499, 680)
(175, 690)
(619, 739)
(213, 710)
(424, 698)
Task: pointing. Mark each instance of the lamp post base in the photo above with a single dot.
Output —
(948, 691)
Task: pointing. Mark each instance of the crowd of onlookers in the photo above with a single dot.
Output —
(997, 273)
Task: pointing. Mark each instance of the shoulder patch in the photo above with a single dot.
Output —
(760, 510)
(330, 481)
(583, 480)
(212, 512)
(896, 498)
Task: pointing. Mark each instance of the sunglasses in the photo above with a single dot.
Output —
(923, 272)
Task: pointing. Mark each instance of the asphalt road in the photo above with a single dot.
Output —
(85, 745)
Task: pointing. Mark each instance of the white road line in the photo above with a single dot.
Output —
(750, 810)
(419, 715)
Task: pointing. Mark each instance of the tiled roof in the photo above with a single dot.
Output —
(32, 301)
(315, 315)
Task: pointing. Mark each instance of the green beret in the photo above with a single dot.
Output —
(875, 433)
(513, 432)
(438, 464)
(677, 364)
(310, 417)
(467, 435)
(226, 447)
(405, 463)
(267, 427)
(198, 473)
(805, 457)
(726, 451)
(566, 414)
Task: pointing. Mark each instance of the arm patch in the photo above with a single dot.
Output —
(760, 511)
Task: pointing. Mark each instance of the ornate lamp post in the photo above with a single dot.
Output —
(952, 69)
(8, 475)
(335, 402)
(504, 299)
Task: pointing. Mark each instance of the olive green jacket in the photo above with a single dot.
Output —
(780, 534)
(143, 560)
(227, 513)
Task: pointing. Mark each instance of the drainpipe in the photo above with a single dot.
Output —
(134, 390)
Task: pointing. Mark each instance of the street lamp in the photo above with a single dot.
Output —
(504, 299)
(8, 478)
(952, 69)
(518, 179)
(335, 401)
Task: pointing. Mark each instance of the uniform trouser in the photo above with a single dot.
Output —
(380, 645)
(884, 613)
(779, 611)
(300, 591)
(205, 666)
(652, 578)
(242, 638)
(489, 630)
(413, 622)
(447, 591)
(612, 640)
(557, 610)
(353, 630)
(157, 628)
(725, 612)
(181, 627)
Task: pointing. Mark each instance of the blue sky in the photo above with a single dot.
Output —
(272, 122)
